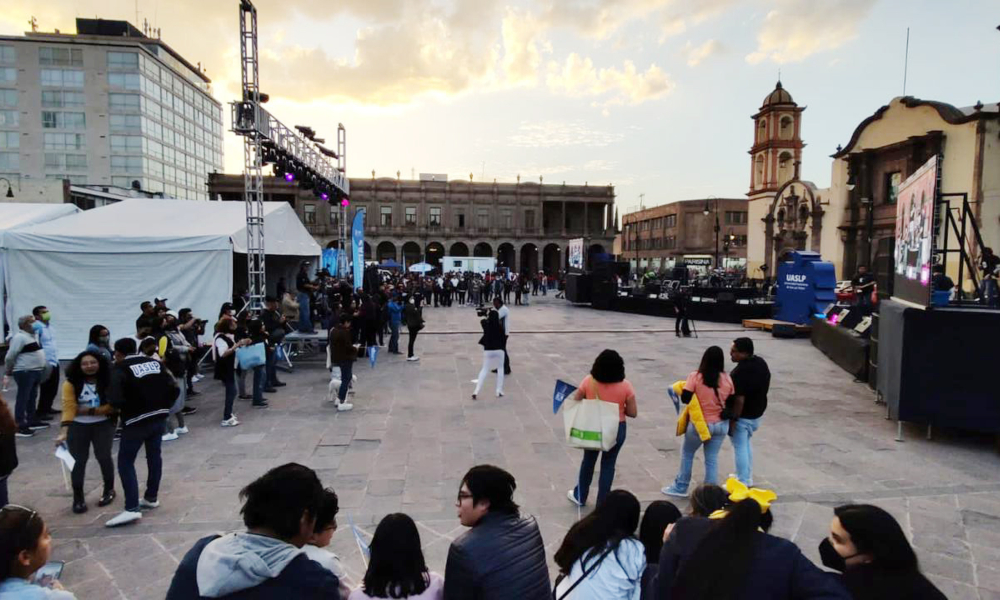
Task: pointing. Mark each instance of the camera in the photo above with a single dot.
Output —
(482, 311)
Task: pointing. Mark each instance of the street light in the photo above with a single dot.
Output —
(10, 188)
(706, 212)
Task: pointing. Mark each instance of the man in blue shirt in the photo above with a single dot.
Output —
(49, 387)
(395, 318)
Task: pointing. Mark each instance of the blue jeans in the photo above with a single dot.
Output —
(394, 337)
(692, 442)
(27, 390)
(608, 460)
(259, 377)
(146, 433)
(272, 368)
(744, 451)
(230, 384)
(305, 316)
(346, 374)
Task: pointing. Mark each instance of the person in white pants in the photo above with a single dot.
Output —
(492, 343)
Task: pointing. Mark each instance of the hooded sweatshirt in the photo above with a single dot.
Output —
(249, 566)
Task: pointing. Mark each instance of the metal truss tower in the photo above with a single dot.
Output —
(253, 175)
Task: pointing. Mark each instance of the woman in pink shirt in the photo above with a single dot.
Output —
(712, 385)
(607, 382)
(397, 568)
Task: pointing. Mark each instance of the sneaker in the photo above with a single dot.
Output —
(24, 432)
(260, 404)
(197, 378)
(344, 407)
(43, 417)
(270, 390)
(36, 425)
(143, 503)
(279, 384)
(169, 436)
(499, 394)
(188, 410)
(79, 506)
(673, 490)
(181, 430)
(413, 359)
(124, 518)
(107, 498)
(571, 496)
(230, 422)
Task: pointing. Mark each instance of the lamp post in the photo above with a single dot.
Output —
(706, 213)
(10, 187)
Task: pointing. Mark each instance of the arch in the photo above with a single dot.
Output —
(412, 253)
(505, 256)
(385, 251)
(785, 129)
(784, 167)
(435, 250)
(529, 258)
(762, 130)
(594, 254)
(334, 244)
(483, 249)
(552, 259)
(458, 249)
(759, 171)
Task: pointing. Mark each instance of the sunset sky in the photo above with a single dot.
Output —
(653, 96)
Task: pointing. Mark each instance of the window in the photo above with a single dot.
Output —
(892, 181)
(736, 217)
(483, 219)
(435, 217)
(63, 120)
(671, 242)
(10, 161)
(126, 164)
(460, 217)
(123, 60)
(385, 216)
(8, 98)
(309, 214)
(64, 141)
(7, 54)
(411, 215)
(8, 75)
(129, 81)
(738, 241)
(125, 143)
(334, 216)
(8, 118)
(62, 78)
(65, 162)
(125, 122)
(61, 99)
(124, 102)
(506, 219)
(529, 219)
(60, 57)
(9, 140)
(671, 221)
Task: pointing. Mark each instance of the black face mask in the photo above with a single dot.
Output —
(831, 558)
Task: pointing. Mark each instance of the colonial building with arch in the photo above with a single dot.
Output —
(525, 225)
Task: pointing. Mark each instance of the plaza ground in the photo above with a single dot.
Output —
(415, 430)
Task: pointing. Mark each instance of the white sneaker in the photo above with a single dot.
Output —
(197, 378)
(123, 518)
(143, 503)
(230, 422)
(181, 430)
(413, 359)
(344, 406)
(169, 437)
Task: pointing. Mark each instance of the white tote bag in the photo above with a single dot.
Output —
(591, 424)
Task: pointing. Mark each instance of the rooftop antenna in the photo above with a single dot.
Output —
(34, 24)
(906, 59)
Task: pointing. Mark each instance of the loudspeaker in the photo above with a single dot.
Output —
(725, 297)
(680, 274)
(852, 319)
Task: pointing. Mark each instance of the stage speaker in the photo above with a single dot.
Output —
(602, 287)
(852, 319)
(680, 274)
(725, 297)
(578, 288)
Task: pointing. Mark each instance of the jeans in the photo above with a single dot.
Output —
(413, 338)
(990, 295)
(146, 433)
(258, 384)
(305, 316)
(27, 389)
(47, 391)
(346, 375)
(230, 384)
(271, 367)
(79, 438)
(394, 337)
(492, 359)
(608, 460)
(692, 442)
(745, 429)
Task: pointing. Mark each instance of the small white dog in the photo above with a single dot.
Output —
(334, 387)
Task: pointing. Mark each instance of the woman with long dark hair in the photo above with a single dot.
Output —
(711, 385)
(492, 343)
(869, 547)
(397, 568)
(86, 422)
(600, 557)
(607, 382)
(659, 515)
(706, 499)
(99, 340)
(224, 356)
(731, 557)
(25, 547)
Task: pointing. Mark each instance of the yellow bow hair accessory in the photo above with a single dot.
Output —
(739, 492)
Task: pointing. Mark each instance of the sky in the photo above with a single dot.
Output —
(651, 96)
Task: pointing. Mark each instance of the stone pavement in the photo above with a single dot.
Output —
(415, 431)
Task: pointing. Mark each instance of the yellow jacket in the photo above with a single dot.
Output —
(70, 406)
(691, 413)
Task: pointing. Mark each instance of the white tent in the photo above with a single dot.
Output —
(97, 267)
(22, 214)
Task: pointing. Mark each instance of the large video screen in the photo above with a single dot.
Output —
(914, 234)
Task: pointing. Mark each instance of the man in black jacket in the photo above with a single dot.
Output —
(752, 380)
(274, 325)
(265, 562)
(503, 555)
(143, 390)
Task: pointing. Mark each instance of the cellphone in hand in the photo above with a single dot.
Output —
(49, 573)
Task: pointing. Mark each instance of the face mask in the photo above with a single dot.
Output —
(104, 339)
(831, 558)
(46, 316)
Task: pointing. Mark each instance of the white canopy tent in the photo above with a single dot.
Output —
(97, 267)
(22, 214)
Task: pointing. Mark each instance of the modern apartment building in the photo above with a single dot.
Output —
(107, 105)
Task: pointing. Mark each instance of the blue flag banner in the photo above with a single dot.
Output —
(366, 552)
(372, 354)
(563, 391)
(330, 261)
(358, 244)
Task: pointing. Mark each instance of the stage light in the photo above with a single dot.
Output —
(324, 195)
(289, 177)
(345, 202)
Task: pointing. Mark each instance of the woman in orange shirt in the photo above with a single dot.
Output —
(607, 382)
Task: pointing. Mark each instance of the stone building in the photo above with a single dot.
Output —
(658, 237)
(525, 225)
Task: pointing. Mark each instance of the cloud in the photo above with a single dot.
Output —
(578, 76)
(552, 134)
(676, 19)
(694, 55)
(796, 30)
(523, 46)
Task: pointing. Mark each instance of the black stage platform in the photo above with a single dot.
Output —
(721, 312)
(842, 345)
